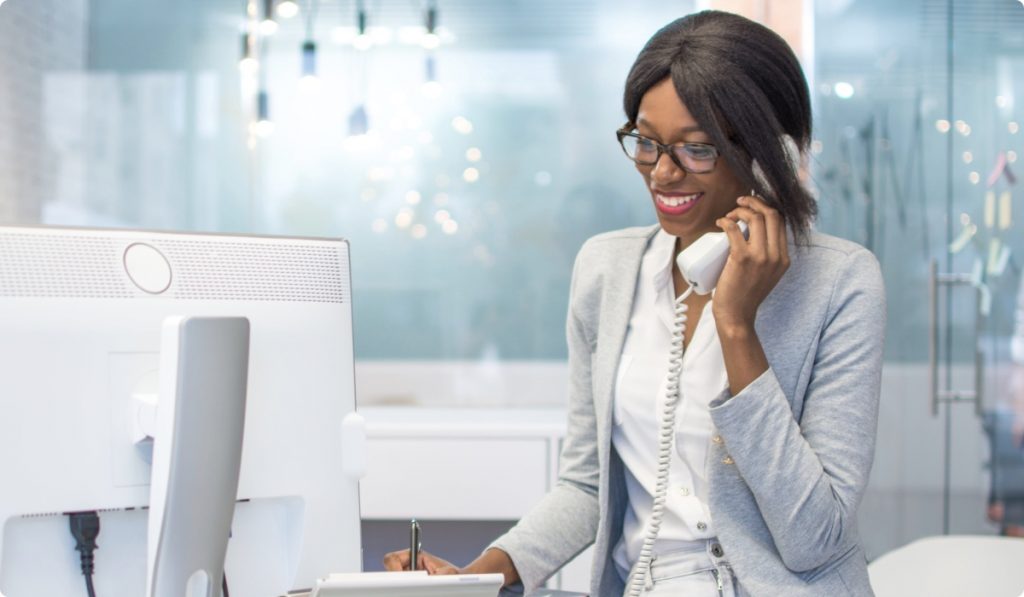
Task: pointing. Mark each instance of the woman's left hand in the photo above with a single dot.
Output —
(755, 265)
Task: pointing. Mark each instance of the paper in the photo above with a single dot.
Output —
(408, 584)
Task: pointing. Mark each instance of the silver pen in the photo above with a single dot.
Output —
(414, 543)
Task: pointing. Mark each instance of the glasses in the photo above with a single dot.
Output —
(697, 158)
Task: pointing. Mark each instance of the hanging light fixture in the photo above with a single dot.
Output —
(431, 86)
(362, 41)
(430, 39)
(358, 121)
(309, 58)
(268, 26)
(309, 80)
(287, 9)
(248, 63)
(431, 69)
(264, 126)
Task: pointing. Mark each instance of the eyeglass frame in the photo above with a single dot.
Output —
(663, 148)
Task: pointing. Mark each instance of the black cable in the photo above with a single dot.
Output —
(85, 527)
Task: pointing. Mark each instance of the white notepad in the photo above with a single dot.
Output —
(408, 584)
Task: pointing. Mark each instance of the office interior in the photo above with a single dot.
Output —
(465, 151)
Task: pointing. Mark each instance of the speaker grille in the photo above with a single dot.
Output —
(251, 271)
(62, 264)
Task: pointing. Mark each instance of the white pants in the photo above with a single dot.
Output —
(694, 572)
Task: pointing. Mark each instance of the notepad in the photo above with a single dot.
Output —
(408, 584)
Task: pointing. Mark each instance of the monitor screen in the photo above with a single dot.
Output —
(81, 312)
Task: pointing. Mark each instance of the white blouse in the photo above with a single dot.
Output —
(639, 397)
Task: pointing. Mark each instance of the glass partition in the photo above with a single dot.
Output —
(918, 107)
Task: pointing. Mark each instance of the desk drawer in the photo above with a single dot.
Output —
(453, 479)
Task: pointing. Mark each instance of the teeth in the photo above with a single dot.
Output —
(677, 200)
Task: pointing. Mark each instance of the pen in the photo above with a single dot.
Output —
(414, 543)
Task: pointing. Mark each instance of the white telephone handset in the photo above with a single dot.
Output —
(701, 264)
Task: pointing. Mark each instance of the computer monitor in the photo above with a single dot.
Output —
(81, 312)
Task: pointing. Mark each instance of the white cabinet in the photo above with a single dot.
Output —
(453, 478)
(463, 465)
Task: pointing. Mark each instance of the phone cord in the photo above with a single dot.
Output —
(641, 573)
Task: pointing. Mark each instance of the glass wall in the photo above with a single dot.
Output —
(466, 168)
(487, 161)
(918, 107)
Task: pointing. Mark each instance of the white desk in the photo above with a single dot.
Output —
(464, 465)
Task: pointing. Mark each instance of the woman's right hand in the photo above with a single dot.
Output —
(398, 561)
(492, 560)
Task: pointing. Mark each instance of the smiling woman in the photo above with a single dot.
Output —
(739, 89)
(723, 458)
(683, 184)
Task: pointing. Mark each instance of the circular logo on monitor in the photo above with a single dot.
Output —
(147, 268)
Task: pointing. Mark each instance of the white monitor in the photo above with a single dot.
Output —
(81, 312)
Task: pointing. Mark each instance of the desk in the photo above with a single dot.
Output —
(473, 472)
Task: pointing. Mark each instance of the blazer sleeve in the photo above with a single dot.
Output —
(564, 522)
(808, 476)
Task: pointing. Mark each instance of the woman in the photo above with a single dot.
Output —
(767, 447)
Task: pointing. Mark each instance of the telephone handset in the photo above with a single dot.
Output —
(701, 264)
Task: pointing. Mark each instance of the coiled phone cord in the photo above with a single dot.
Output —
(641, 573)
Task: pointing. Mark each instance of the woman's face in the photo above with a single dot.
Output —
(687, 204)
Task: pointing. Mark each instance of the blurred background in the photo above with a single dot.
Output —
(467, 149)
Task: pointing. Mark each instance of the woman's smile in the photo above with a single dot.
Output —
(675, 204)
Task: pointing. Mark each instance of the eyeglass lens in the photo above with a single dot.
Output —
(694, 157)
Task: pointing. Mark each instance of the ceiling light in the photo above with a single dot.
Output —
(248, 63)
(264, 126)
(309, 58)
(287, 9)
(430, 39)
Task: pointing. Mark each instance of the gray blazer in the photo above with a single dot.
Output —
(785, 484)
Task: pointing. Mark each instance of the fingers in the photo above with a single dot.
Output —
(767, 242)
(757, 239)
(435, 565)
(732, 230)
(396, 561)
(775, 226)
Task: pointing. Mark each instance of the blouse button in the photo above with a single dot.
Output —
(717, 439)
(717, 551)
(728, 460)
(701, 526)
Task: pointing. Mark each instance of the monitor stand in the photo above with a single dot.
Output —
(197, 453)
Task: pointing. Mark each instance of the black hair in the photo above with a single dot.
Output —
(744, 86)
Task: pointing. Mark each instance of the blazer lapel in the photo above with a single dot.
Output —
(617, 306)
